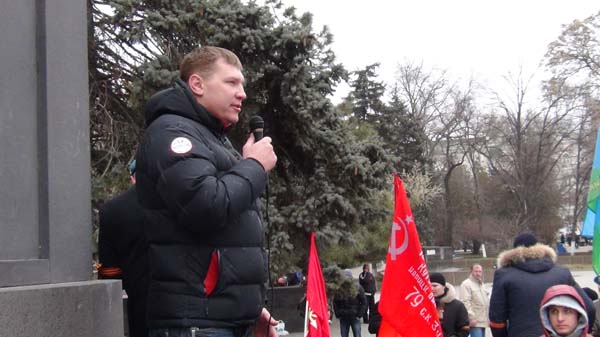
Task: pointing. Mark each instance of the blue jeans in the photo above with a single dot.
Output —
(195, 332)
(347, 323)
(477, 332)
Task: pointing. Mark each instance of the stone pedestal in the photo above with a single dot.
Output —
(90, 308)
(45, 207)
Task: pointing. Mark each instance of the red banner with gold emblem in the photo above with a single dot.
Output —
(317, 316)
(406, 305)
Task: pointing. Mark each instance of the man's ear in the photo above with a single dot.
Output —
(196, 84)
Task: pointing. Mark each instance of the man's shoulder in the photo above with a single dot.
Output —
(502, 274)
(172, 120)
(168, 126)
(123, 200)
(173, 134)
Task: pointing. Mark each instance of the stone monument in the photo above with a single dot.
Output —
(46, 286)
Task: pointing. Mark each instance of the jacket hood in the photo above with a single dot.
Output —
(179, 100)
(449, 294)
(533, 259)
(566, 296)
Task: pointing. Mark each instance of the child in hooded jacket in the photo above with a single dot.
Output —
(562, 312)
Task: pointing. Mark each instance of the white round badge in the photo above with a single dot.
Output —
(181, 145)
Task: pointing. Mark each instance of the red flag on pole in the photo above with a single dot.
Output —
(406, 305)
(317, 317)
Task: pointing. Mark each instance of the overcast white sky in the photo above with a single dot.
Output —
(470, 38)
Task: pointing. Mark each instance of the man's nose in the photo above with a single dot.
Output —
(241, 94)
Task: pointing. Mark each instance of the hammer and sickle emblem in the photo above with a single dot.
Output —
(312, 318)
(394, 250)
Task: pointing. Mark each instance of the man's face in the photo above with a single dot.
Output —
(563, 319)
(222, 92)
(437, 289)
(477, 272)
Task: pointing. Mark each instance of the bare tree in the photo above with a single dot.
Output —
(473, 143)
(576, 52)
(578, 162)
(574, 60)
(444, 110)
(526, 145)
(426, 93)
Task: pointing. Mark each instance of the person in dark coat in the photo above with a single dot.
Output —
(523, 275)
(367, 281)
(452, 312)
(350, 305)
(375, 319)
(201, 204)
(122, 253)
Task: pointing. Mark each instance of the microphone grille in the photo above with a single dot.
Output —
(256, 122)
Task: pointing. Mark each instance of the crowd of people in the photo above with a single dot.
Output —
(531, 296)
(187, 238)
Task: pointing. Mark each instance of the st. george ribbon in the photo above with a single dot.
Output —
(257, 126)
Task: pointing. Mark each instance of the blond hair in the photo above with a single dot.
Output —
(201, 60)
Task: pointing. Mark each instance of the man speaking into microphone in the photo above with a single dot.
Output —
(199, 197)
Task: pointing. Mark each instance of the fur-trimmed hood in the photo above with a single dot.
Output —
(536, 258)
(449, 295)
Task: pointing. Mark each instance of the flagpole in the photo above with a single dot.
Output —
(306, 318)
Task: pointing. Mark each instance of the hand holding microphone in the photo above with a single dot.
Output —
(259, 147)
(257, 125)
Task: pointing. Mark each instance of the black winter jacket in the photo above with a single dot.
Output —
(367, 281)
(353, 307)
(453, 314)
(200, 204)
(374, 320)
(522, 277)
(122, 247)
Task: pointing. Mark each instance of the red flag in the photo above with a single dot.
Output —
(406, 305)
(317, 316)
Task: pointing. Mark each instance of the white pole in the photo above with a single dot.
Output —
(306, 319)
(483, 250)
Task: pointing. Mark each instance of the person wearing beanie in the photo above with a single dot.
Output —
(525, 240)
(522, 276)
(452, 312)
(437, 278)
(562, 313)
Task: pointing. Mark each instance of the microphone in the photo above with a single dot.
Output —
(256, 127)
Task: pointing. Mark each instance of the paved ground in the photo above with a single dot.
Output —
(585, 278)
